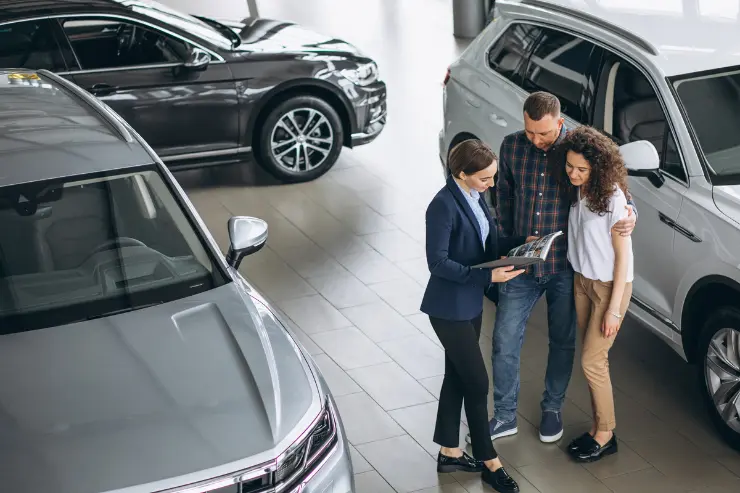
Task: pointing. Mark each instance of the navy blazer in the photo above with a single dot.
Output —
(453, 244)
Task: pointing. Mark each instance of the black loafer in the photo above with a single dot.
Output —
(500, 480)
(591, 451)
(453, 464)
(578, 442)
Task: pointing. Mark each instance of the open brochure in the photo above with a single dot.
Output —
(530, 253)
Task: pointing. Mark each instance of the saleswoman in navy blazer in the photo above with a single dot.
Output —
(461, 233)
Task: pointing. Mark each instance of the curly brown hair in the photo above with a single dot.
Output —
(607, 166)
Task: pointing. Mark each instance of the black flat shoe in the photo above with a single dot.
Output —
(453, 464)
(500, 480)
(591, 451)
(578, 442)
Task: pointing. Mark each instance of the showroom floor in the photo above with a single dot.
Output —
(345, 262)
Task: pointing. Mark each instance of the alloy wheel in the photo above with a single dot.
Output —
(301, 140)
(722, 373)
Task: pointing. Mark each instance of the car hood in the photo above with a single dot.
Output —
(276, 36)
(201, 387)
(727, 200)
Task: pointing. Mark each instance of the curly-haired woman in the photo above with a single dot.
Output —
(590, 164)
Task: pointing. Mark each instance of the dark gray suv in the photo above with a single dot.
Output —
(134, 356)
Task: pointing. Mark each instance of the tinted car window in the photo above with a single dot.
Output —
(713, 111)
(639, 115)
(30, 45)
(87, 248)
(558, 65)
(511, 50)
(102, 43)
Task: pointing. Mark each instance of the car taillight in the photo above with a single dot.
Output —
(447, 77)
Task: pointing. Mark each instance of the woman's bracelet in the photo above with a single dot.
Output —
(615, 314)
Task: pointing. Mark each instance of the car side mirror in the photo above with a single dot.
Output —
(642, 160)
(197, 59)
(247, 235)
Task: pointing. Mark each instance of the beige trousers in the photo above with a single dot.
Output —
(592, 301)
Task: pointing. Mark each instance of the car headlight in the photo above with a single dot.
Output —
(309, 449)
(363, 75)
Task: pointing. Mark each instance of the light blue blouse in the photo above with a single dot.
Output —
(473, 198)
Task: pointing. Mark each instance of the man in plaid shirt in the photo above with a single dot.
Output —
(530, 203)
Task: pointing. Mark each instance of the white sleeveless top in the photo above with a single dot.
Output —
(590, 249)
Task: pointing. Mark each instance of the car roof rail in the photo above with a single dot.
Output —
(106, 113)
(592, 19)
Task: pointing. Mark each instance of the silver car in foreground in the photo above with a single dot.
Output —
(134, 357)
(670, 81)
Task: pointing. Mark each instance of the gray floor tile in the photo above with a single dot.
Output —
(419, 422)
(337, 379)
(417, 354)
(445, 488)
(390, 386)
(525, 448)
(396, 246)
(343, 291)
(380, 322)
(404, 295)
(433, 385)
(562, 476)
(371, 267)
(371, 482)
(311, 261)
(363, 220)
(404, 464)
(387, 200)
(314, 314)
(623, 462)
(364, 420)
(645, 481)
(679, 459)
(417, 269)
(421, 322)
(350, 348)
(359, 464)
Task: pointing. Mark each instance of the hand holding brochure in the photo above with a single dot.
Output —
(530, 253)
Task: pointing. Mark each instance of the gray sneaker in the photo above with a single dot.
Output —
(499, 429)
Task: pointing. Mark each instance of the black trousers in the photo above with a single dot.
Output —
(466, 379)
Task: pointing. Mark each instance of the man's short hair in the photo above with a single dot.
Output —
(540, 104)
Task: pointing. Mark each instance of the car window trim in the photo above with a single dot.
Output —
(613, 51)
(216, 57)
(504, 29)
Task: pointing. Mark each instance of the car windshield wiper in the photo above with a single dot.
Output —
(236, 40)
(121, 310)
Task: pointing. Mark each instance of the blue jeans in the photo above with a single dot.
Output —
(516, 300)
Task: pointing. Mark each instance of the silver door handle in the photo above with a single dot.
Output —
(473, 102)
(498, 121)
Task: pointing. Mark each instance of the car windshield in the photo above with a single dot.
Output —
(91, 247)
(187, 23)
(712, 104)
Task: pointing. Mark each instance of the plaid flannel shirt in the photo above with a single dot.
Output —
(529, 201)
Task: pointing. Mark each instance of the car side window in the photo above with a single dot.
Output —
(30, 45)
(637, 114)
(511, 50)
(559, 65)
(106, 44)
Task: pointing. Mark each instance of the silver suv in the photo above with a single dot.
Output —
(667, 88)
(134, 356)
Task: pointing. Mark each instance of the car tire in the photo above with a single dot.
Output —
(285, 138)
(720, 331)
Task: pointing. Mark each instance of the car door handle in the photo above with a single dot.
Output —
(498, 120)
(673, 224)
(473, 102)
(103, 89)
